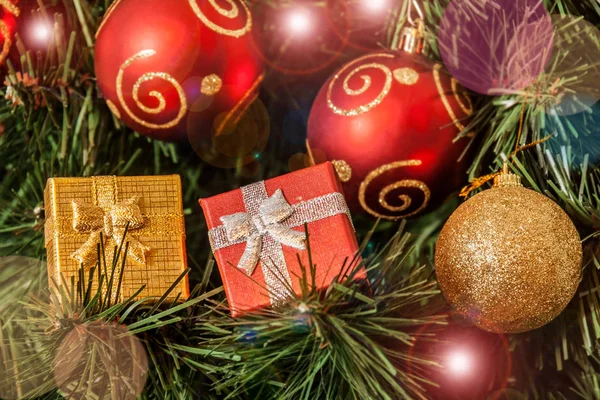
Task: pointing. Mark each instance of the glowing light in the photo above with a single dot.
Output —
(42, 32)
(299, 22)
(460, 362)
(496, 47)
(375, 5)
(78, 371)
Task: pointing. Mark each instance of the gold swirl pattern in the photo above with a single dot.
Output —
(14, 10)
(109, 11)
(236, 113)
(407, 183)
(343, 170)
(406, 76)
(114, 109)
(211, 85)
(231, 13)
(467, 108)
(161, 99)
(10, 7)
(367, 80)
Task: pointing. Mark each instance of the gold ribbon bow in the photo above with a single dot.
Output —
(272, 212)
(112, 221)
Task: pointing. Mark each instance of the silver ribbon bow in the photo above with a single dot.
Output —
(253, 228)
(266, 226)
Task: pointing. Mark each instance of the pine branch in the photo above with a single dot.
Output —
(351, 342)
(564, 168)
(77, 336)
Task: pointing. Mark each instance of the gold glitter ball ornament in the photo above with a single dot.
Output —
(509, 258)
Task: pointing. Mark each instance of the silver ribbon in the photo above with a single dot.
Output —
(266, 226)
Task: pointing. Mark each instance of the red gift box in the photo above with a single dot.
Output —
(257, 234)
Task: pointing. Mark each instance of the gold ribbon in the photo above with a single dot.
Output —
(482, 180)
(112, 220)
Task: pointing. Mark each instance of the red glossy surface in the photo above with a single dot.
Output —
(332, 239)
(10, 22)
(187, 49)
(410, 123)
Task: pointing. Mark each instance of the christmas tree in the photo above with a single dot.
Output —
(118, 116)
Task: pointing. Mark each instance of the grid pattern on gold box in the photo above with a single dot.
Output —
(157, 196)
(160, 203)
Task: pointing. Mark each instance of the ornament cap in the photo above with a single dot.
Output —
(412, 38)
(506, 178)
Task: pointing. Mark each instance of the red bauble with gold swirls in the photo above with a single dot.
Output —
(9, 12)
(165, 65)
(389, 120)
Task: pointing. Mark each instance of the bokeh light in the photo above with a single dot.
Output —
(361, 24)
(19, 277)
(584, 124)
(573, 74)
(300, 161)
(234, 138)
(460, 362)
(293, 127)
(375, 6)
(471, 364)
(24, 359)
(299, 22)
(101, 360)
(42, 32)
(300, 38)
(496, 46)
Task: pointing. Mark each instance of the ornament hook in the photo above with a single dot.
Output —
(507, 178)
(414, 5)
(412, 35)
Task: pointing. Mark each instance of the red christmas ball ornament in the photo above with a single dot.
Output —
(165, 65)
(389, 121)
(301, 37)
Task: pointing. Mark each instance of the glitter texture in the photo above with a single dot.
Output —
(406, 183)
(273, 261)
(111, 219)
(7, 41)
(237, 112)
(406, 76)
(267, 226)
(230, 13)
(510, 259)
(161, 99)
(343, 170)
(9, 7)
(466, 108)
(211, 85)
(113, 109)
(77, 209)
(315, 195)
(352, 112)
(109, 11)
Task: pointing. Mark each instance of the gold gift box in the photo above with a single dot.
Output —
(79, 210)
